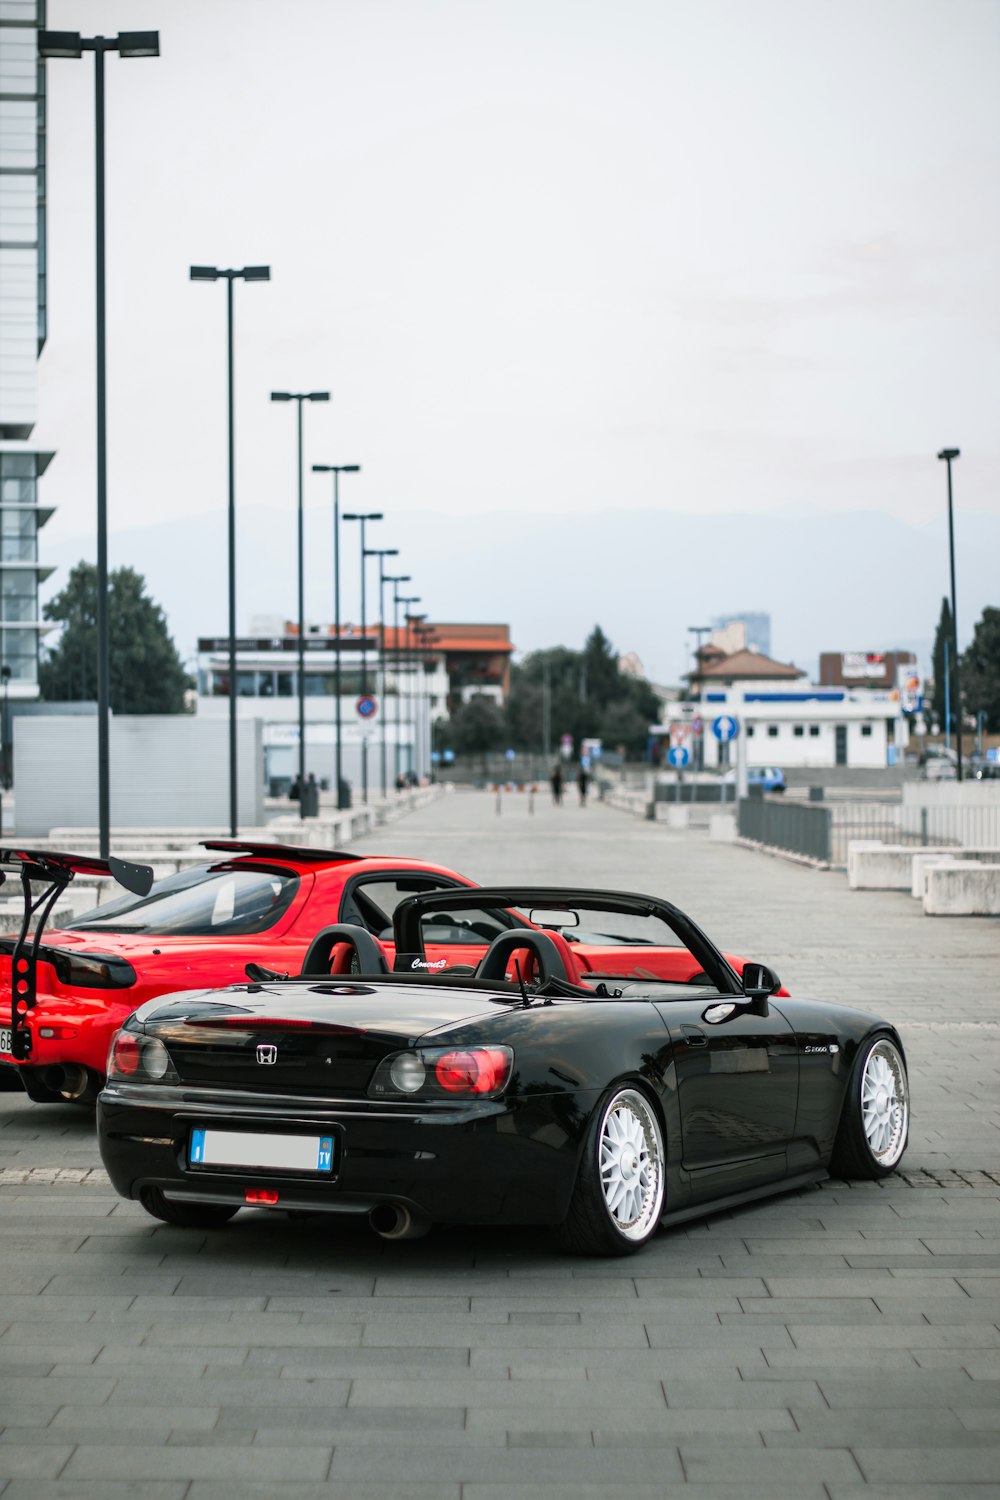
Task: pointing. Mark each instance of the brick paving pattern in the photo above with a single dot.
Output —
(840, 1343)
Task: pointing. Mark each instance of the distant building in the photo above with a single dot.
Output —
(756, 630)
(22, 335)
(419, 681)
(718, 668)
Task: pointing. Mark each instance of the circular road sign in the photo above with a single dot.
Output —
(725, 728)
(678, 755)
(367, 706)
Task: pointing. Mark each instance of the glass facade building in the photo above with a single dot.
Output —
(23, 321)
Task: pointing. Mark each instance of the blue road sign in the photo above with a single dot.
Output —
(678, 755)
(725, 728)
(367, 706)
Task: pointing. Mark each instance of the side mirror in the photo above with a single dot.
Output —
(759, 983)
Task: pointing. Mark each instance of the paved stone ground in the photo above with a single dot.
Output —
(840, 1342)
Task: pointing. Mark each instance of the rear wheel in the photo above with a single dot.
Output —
(618, 1198)
(876, 1118)
(186, 1215)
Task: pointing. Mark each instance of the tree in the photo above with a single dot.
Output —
(476, 728)
(146, 675)
(589, 697)
(938, 662)
(981, 669)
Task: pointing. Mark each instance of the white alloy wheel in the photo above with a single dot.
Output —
(631, 1165)
(884, 1103)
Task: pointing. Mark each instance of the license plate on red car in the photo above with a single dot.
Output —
(235, 1150)
(5, 1042)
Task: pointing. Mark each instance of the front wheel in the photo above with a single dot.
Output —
(186, 1215)
(618, 1198)
(876, 1118)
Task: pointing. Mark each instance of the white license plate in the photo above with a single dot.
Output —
(5, 1045)
(250, 1148)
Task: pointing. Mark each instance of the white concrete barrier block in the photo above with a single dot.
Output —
(678, 815)
(722, 827)
(886, 867)
(924, 860)
(959, 889)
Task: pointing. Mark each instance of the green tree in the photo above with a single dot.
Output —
(938, 661)
(981, 669)
(589, 697)
(146, 675)
(478, 727)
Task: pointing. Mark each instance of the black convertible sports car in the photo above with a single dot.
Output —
(530, 1090)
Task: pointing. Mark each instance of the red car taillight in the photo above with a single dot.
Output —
(140, 1058)
(477, 1070)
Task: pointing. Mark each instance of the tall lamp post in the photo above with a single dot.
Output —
(947, 454)
(381, 553)
(298, 397)
(397, 655)
(53, 44)
(363, 517)
(248, 273)
(412, 624)
(425, 634)
(403, 599)
(336, 470)
(7, 779)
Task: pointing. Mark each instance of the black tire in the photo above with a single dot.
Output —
(623, 1153)
(874, 1122)
(186, 1215)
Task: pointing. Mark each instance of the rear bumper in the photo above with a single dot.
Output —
(489, 1162)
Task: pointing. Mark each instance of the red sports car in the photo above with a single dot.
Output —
(256, 904)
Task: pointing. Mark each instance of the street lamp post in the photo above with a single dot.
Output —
(404, 658)
(381, 553)
(336, 470)
(363, 517)
(298, 397)
(397, 656)
(425, 635)
(53, 44)
(7, 779)
(948, 454)
(412, 623)
(248, 273)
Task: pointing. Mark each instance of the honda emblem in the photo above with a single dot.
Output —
(267, 1052)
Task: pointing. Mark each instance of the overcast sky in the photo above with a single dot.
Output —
(706, 256)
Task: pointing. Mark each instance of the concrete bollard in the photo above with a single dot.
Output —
(962, 890)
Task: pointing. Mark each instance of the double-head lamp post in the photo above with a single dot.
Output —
(216, 273)
(298, 397)
(363, 517)
(336, 470)
(426, 635)
(381, 553)
(948, 454)
(397, 657)
(53, 44)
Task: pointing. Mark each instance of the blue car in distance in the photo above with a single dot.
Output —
(770, 778)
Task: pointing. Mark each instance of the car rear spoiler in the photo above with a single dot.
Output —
(55, 871)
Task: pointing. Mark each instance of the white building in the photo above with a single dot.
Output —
(786, 720)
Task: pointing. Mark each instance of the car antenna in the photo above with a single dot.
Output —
(525, 997)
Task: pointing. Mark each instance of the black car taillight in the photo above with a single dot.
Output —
(136, 1058)
(443, 1073)
(92, 971)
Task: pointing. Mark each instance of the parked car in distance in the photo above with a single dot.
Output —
(770, 778)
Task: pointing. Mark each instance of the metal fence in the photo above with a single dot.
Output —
(794, 827)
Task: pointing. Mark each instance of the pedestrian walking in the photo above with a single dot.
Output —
(556, 780)
(582, 782)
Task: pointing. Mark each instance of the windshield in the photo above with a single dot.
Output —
(611, 928)
(206, 901)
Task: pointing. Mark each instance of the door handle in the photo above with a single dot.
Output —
(694, 1036)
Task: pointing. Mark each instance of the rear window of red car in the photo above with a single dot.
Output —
(206, 901)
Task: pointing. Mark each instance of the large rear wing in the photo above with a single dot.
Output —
(54, 871)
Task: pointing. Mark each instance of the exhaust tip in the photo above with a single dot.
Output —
(393, 1221)
(71, 1080)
